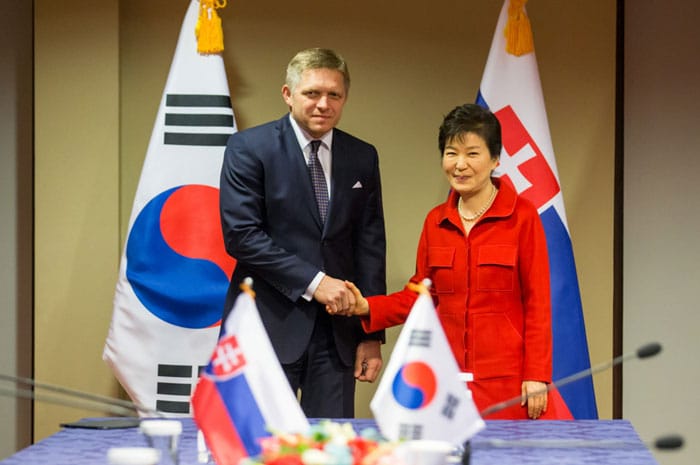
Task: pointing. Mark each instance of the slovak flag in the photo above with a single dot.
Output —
(243, 394)
(511, 89)
(420, 395)
(175, 271)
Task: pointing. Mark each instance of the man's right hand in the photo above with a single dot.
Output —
(334, 294)
(361, 306)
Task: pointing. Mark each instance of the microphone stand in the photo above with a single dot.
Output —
(645, 351)
(84, 399)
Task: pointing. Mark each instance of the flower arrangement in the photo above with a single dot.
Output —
(327, 443)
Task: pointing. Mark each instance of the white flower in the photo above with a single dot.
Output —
(340, 433)
(316, 457)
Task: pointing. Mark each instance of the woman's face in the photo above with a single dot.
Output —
(468, 164)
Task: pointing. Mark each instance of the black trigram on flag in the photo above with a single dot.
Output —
(175, 384)
(410, 431)
(451, 404)
(201, 120)
(420, 337)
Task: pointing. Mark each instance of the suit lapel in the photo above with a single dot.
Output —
(299, 173)
(341, 174)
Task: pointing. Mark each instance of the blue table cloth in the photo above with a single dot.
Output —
(502, 442)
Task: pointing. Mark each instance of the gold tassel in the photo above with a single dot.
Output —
(210, 35)
(518, 30)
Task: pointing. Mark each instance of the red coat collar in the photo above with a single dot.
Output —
(503, 205)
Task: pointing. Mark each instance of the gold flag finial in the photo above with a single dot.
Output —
(209, 33)
(247, 287)
(422, 287)
(518, 30)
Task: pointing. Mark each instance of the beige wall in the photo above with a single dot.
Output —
(76, 189)
(662, 221)
(16, 200)
(97, 99)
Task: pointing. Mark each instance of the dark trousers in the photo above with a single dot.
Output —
(326, 386)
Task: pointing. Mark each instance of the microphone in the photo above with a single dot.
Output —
(669, 442)
(81, 399)
(645, 351)
(662, 443)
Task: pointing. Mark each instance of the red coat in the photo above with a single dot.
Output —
(491, 291)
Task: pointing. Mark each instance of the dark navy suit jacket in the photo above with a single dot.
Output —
(272, 227)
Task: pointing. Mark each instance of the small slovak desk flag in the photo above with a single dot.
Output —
(420, 395)
(510, 88)
(243, 394)
(175, 271)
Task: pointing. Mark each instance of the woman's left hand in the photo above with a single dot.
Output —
(534, 393)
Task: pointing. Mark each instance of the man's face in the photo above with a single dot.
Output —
(317, 101)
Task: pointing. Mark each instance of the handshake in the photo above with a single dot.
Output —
(341, 297)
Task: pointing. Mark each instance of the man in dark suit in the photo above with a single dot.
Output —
(300, 230)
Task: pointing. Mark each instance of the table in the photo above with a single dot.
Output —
(560, 442)
(502, 442)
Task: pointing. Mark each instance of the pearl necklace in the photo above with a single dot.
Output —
(478, 214)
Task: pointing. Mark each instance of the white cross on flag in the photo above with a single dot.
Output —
(228, 357)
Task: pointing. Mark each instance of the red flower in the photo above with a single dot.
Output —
(359, 448)
(286, 460)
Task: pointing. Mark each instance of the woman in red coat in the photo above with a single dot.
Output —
(485, 252)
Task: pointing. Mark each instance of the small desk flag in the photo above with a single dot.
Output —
(243, 393)
(420, 395)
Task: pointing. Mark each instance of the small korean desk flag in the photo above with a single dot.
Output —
(420, 395)
(243, 393)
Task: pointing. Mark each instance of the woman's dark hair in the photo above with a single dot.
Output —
(475, 119)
